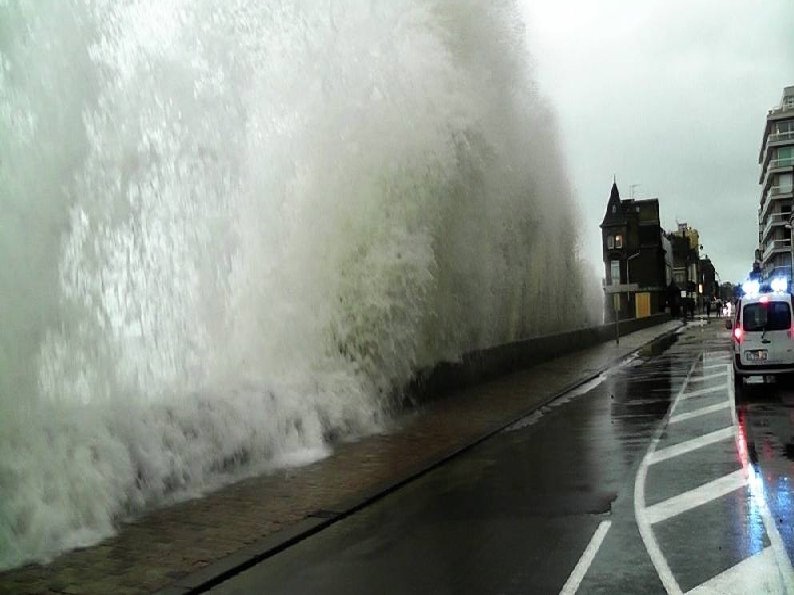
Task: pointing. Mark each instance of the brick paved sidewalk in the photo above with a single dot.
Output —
(182, 546)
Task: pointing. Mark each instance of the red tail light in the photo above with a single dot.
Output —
(738, 334)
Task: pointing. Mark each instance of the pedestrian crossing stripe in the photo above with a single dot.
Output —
(709, 377)
(699, 412)
(772, 561)
(684, 447)
(701, 392)
(756, 574)
(693, 498)
(720, 363)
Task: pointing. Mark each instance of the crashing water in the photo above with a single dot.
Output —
(231, 231)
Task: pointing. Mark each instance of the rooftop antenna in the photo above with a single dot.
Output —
(631, 189)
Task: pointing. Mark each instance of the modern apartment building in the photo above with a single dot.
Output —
(777, 170)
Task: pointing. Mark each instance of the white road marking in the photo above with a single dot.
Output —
(690, 445)
(756, 574)
(720, 363)
(646, 532)
(643, 525)
(702, 391)
(699, 412)
(575, 579)
(781, 557)
(694, 498)
(709, 377)
(759, 566)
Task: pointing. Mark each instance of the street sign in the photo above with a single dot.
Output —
(621, 288)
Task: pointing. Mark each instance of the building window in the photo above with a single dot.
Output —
(614, 272)
(784, 127)
(784, 182)
(610, 242)
(618, 241)
(614, 208)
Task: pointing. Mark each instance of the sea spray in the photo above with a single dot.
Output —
(230, 232)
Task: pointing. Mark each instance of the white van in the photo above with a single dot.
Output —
(762, 335)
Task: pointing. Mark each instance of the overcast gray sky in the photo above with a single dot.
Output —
(671, 96)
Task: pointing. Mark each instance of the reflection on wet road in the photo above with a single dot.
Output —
(765, 415)
(706, 489)
(647, 479)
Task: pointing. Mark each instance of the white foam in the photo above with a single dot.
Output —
(231, 231)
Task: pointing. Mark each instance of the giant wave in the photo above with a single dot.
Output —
(231, 232)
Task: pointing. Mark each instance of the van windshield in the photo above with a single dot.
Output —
(770, 316)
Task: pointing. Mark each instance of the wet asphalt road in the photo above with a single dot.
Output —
(602, 491)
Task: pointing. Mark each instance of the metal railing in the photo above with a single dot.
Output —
(776, 245)
(773, 165)
(775, 219)
(775, 137)
(771, 194)
(780, 162)
(778, 190)
(779, 136)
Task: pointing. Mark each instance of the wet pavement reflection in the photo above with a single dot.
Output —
(765, 413)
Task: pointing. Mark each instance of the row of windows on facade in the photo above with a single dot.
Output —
(615, 241)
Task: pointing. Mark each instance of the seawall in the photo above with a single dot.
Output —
(482, 365)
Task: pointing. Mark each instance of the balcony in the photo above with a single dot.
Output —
(774, 220)
(774, 193)
(782, 162)
(777, 270)
(774, 140)
(781, 136)
(780, 190)
(776, 246)
(774, 166)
